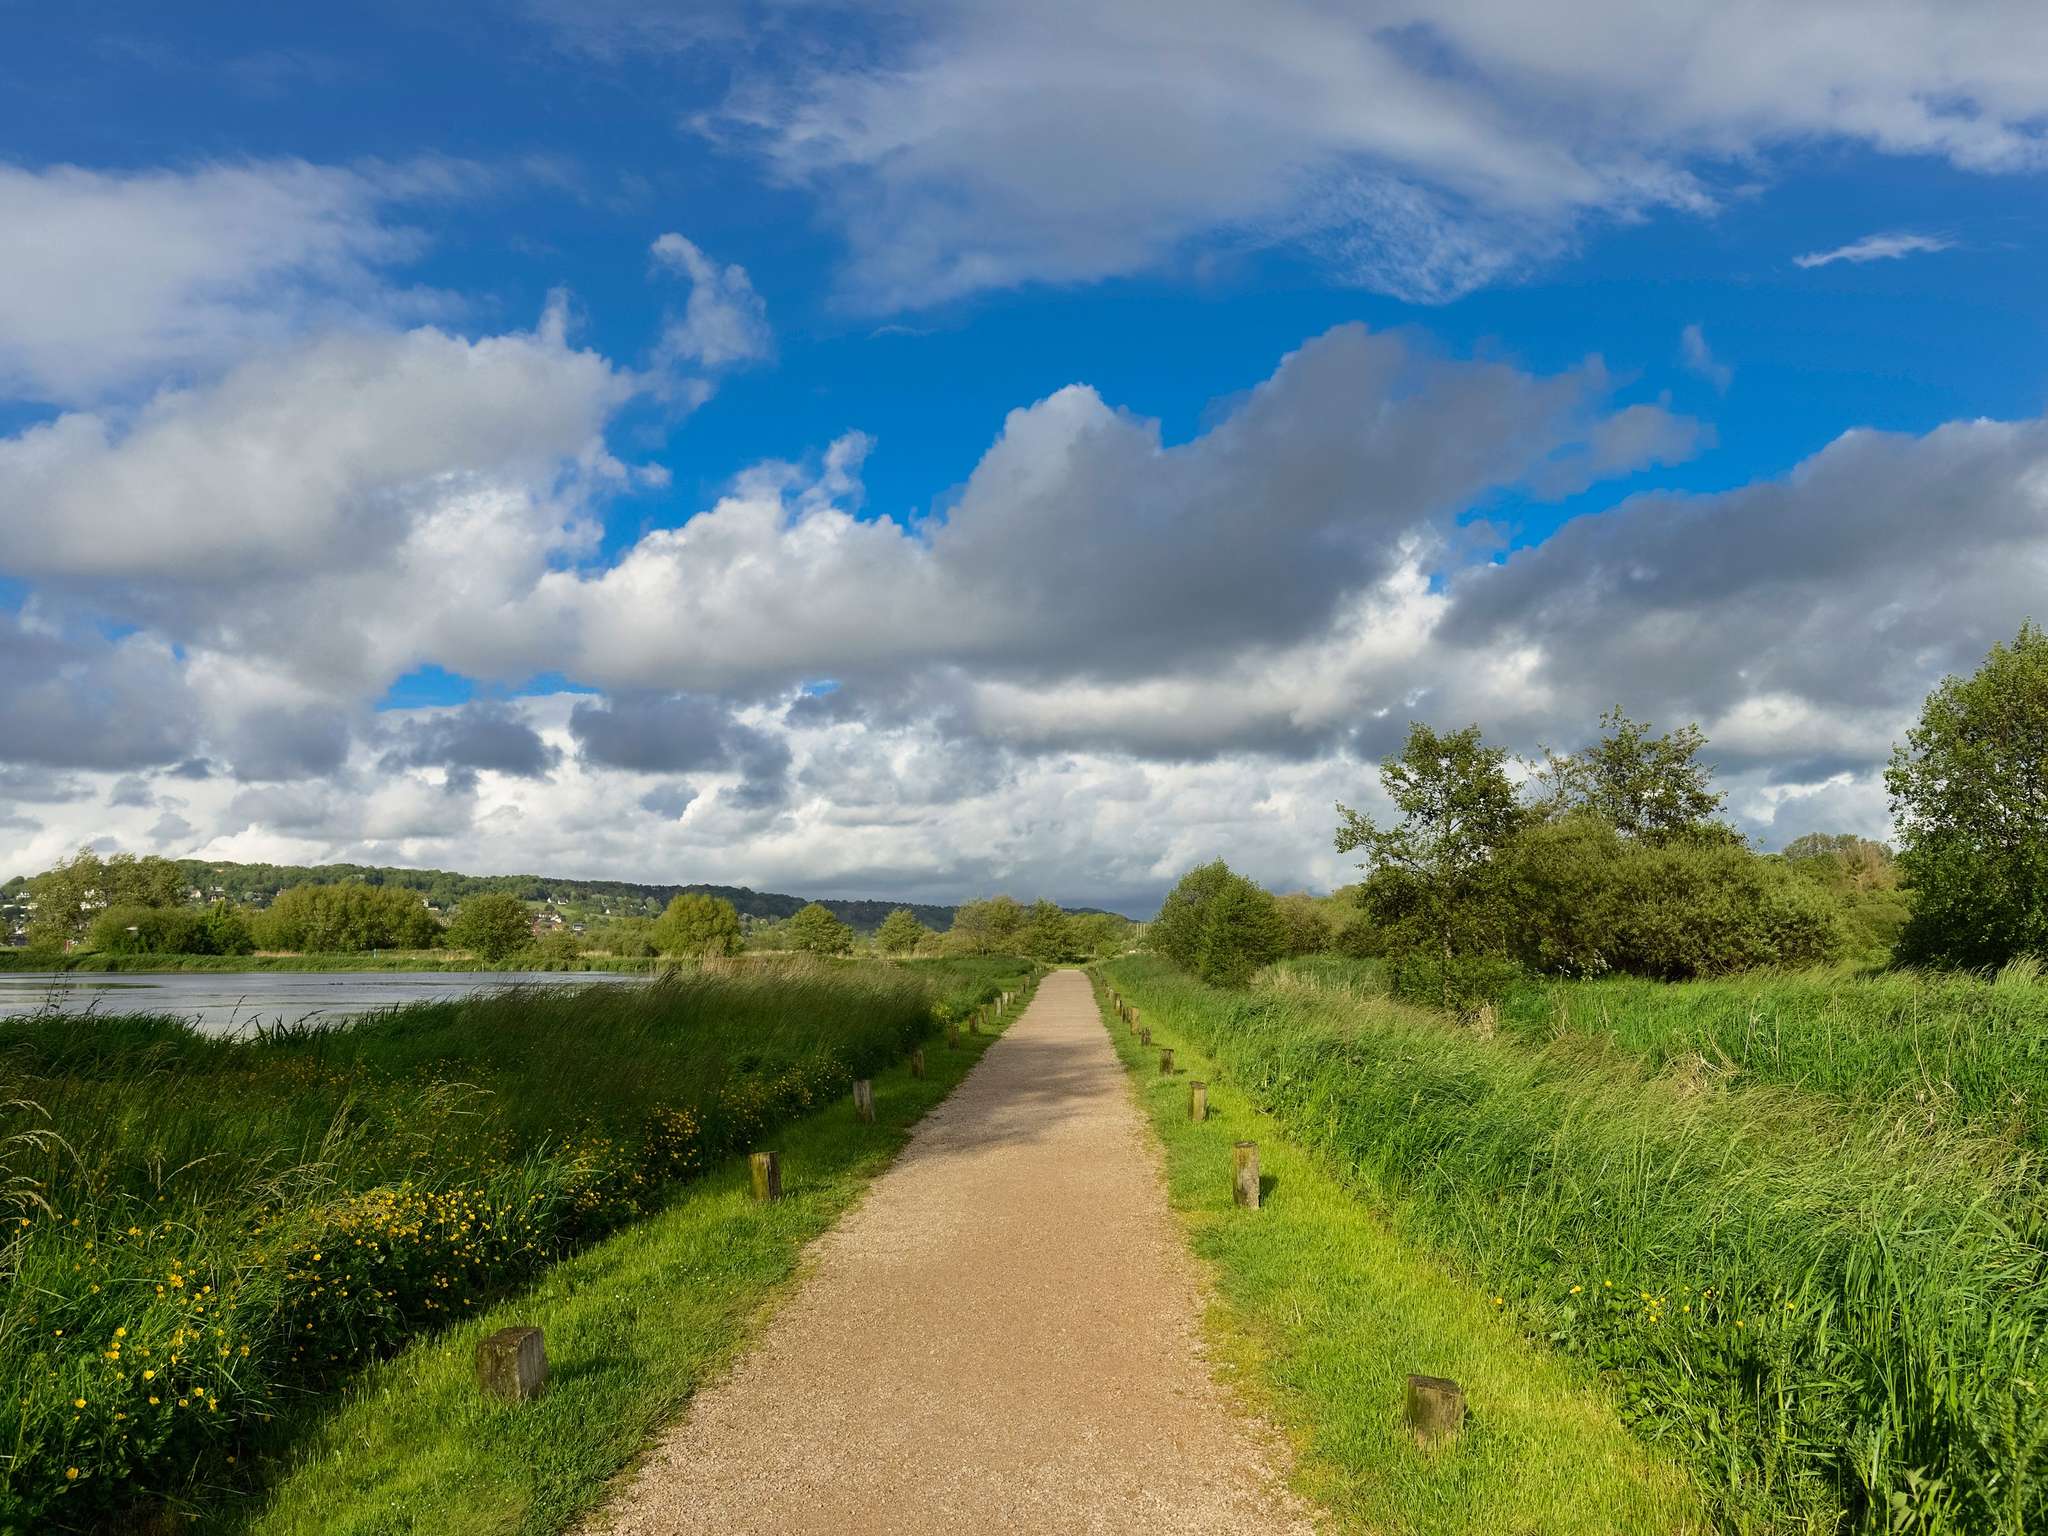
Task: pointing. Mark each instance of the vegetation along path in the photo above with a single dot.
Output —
(1003, 1336)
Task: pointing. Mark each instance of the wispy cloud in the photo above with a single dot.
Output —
(1877, 248)
(1699, 358)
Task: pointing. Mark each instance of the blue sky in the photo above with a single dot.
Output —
(1578, 274)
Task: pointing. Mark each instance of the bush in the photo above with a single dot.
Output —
(131, 930)
(1219, 926)
(346, 919)
(1588, 901)
(696, 924)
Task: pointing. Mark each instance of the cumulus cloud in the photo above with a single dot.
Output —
(110, 280)
(1418, 149)
(1082, 543)
(1876, 248)
(471, 739)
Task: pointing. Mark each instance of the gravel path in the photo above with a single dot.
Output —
(1002, 1336)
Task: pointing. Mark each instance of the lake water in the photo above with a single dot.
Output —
(231, 1002)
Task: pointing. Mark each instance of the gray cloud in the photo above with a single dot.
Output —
(40, 784)
(679, 733)
(72, 699)
(487, 736)
(287, 742)
(132, 790)
(669, 801)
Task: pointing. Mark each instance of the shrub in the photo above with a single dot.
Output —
(346, 919)
(1219, 926)
(492, 926)
(698, 924)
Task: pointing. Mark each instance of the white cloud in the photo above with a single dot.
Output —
(1419, 149)
(724, 322)
(1876, 248)
(1699, 358)
(111, 280)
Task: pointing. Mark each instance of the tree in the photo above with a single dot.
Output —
(1308, 929)
(816, 931)
(1969, 792)
(698, 925)
(1650, 787)
(1219, 926)
(346, 919)
(70, 895)
(492, 926)
(1434, 886)
(900, 933)
(986, 927)
(1046, 935)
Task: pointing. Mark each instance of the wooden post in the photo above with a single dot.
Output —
(864, 1099)
(1198, 1100)
(1166, 1062)
(512, 1364)
(1145, 1035)
(974, 1022)
(1245, 1158)
(1436, 1408)
(767, 1169)
(917, 1062)
(952, 1034)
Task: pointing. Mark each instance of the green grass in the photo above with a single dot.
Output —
(226, 1225)
(634, 1325)
(1836, 1319)
(1323, 1311)
(1954, 1048)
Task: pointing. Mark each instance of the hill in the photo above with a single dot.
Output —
(256, 884)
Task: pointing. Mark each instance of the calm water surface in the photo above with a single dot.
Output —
(230, 1002)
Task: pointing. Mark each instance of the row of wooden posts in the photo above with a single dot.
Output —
(512, 1363)
(1436, 1406)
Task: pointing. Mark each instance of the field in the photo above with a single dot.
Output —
(203, 1236)
(1811, 1271)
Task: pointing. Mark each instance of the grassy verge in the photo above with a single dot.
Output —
(1836, 1319)
(1968, 1050)
(634, 1325)
(1323, 1310)
(202, 1232)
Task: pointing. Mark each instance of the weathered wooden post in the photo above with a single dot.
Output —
(864, 1099)
(1145, 1035)
(1198, 1100)
(917, 1062)
(1244, 1158)
(767, 1171)
(1436, 1408)
(952, 1034)
(512, 1364)
(974, 1022)
(1166, 1061)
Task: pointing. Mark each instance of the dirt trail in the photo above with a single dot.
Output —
(1002, 1336)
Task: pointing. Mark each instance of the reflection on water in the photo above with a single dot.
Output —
(225, 1003)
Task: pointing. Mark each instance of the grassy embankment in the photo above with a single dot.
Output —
(1829, 1305)
(234, 1229)
(1322, 1311)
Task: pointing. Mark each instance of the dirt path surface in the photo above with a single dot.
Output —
(1002, 1336)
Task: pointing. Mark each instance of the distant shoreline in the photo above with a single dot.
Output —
(18, 960)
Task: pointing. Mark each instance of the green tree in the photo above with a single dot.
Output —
(1219, 926)
(698, 925)
(1308, 927)
(346, 919)
(986, 927)
(814, 930)
(900, 933)
(492, 926)
(1434, 888)
(1651, 787)
(1046, 935)
(70, 896)
(1969, 792)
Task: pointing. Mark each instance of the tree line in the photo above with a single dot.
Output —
(1616, 859)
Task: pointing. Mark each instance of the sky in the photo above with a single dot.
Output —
(926, 450)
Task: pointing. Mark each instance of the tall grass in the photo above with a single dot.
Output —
(1837, 1318)
(1939, 1048)
(213, 1227)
